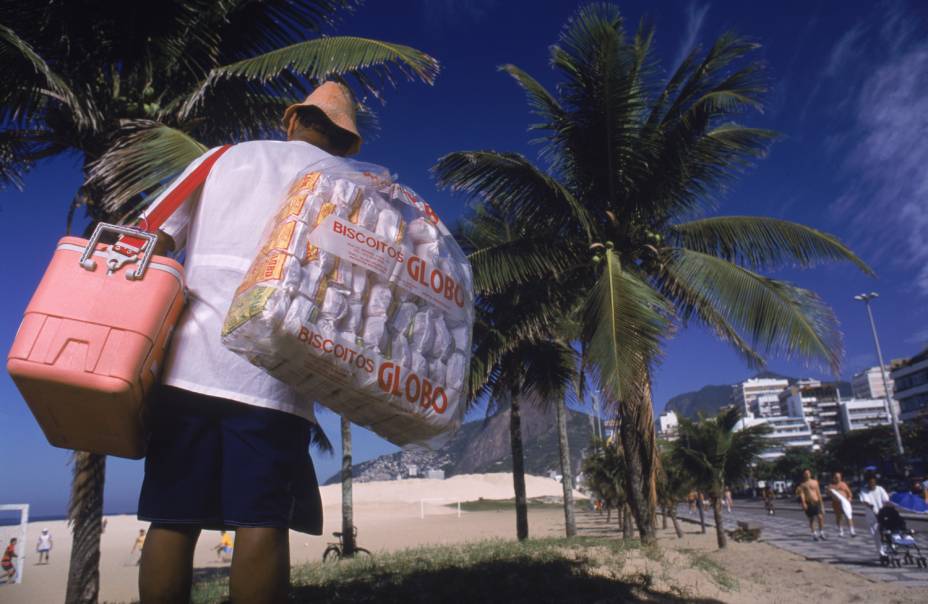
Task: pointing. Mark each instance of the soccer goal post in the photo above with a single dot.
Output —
(424, 504)
(18, 531)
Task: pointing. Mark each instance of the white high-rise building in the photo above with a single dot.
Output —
(786, 432)
(868, 384)
(745, 394)
(911, 383)
(857, 414)
(817, 404)
(668, 423)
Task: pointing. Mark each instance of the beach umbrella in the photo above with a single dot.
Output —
(909, 502)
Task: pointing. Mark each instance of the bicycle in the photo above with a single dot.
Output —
(333, 551)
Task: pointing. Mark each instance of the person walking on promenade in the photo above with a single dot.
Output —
(874, 497)
(44, 546)
(229, 446)
(770, 499)
(841, 498)
(729, 502)
(810, 497)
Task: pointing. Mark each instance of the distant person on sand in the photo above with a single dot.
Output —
(810, 497)
(841, 498)
(229, 445)
(139, 545)
(44, 546)
(9, 569)
(224, 549)
(729, 502)
(874, 497)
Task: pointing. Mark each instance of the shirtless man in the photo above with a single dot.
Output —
(840, 487)
(810, 496)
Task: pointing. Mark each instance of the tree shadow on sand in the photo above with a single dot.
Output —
(497, 581)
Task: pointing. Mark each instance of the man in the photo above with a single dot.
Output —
(138, 546)
(224, 549)
(229, 444)
(841, 498)
(7, 564)
(44, 546)
(810, 497)
(770, 500)
(874, 497)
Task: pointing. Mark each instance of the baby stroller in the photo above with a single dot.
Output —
(899, 544)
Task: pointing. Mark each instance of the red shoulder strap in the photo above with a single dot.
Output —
(181, 192)
(132, 245)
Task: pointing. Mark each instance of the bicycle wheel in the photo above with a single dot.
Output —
(333, 553)
(361, 550)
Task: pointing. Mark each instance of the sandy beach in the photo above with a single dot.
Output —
(388, 516)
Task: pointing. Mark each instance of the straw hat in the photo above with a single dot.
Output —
(334, 104)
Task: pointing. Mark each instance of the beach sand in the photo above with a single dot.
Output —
(387, 515)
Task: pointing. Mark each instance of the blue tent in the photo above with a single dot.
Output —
(909, 502)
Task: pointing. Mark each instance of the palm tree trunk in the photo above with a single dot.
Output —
(702, 513)
(627, 528)
(639, 443)
(567, 480)
(347, 500)
(676, 523)
(719, 526)
(518, 469)
(85, 514)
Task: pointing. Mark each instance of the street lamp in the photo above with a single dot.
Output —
(890, 409)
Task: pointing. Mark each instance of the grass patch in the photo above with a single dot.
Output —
(539, 570)
(500, 505)
(715, 570)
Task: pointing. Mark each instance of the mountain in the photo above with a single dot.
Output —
(708, 400)
(483, 446)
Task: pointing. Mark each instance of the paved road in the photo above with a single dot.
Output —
(789, 530)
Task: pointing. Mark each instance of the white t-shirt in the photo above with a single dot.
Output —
(45, 542)
(874, 499)
(221, 228)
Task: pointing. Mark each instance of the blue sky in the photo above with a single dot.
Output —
(849, 94)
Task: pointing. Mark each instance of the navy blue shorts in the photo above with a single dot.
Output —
(218, 464)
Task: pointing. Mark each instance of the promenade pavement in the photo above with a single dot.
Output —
(786, 531)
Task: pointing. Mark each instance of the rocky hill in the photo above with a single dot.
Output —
(709, 399)
(483, 446)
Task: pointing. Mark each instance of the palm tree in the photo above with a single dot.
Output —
(140, 93)
(517, 360)
(715, 452)
(348, 543)
(634, 161)
(604, 469)
(673, 485)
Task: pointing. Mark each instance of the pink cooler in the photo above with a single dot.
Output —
(91, 345)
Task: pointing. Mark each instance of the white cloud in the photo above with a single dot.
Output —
(845, 50)
(694, 20)
(885, 203)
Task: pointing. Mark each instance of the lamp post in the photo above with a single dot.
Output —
(865, 298)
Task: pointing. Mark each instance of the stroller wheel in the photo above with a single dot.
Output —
(884, 561)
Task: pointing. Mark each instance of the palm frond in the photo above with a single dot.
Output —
(30, 81)
(759, 242)
(146, 156)
(542, 103)
(776, 316)
(281, 70)
(623, 322)
(512, 184)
